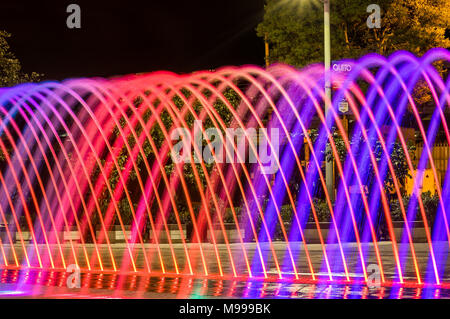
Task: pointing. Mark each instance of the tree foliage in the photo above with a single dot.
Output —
(157, 136)
(294, 29)
(397, 157)
(10, 67)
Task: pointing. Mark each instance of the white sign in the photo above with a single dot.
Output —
(343, 106)
(342, 67)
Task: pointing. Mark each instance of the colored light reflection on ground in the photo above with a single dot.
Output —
(42, 284)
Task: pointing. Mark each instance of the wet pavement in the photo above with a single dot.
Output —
(32, 283)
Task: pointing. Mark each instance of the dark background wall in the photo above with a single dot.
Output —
(121, 37)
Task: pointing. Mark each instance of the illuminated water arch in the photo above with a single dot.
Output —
(88, 175)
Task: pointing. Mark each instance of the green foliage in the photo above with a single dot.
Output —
(322, 211)
(10, 67)
(430, 203)
(158, 138)
(294, 29)
(397, 157)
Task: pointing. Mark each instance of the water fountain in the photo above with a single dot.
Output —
(219, 176)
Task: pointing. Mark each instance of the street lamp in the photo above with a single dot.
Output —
(329, 176)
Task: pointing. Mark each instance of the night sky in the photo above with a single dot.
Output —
(122, 37)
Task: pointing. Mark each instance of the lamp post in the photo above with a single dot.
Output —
(329, 176)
